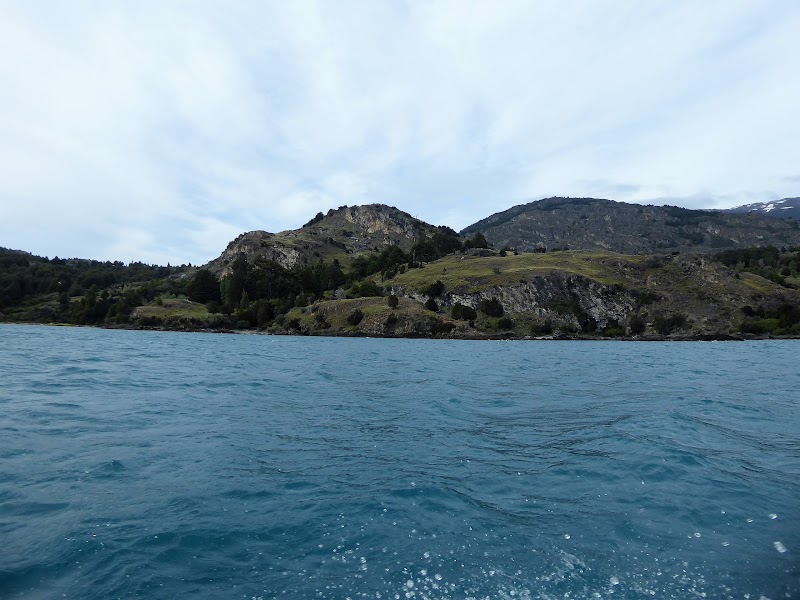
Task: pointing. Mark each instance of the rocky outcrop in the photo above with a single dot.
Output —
(256, 244)
(558, 297)
(346, 230)
(373, 226)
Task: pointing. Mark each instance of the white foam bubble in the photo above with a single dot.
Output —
(779, 547)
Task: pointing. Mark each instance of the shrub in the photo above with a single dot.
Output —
(321, 320)
(434, 290)
(505, 323)
(355, 317)
(637, 325)
(491, 307)
(613, 329)
(463, 313)
(392, 301)
(430, 304)
(666, 325)
(545, 328)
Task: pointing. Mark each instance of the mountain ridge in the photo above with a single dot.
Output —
(595, 224)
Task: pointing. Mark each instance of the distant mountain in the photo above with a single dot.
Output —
(346, 230)
(788, 208)
(595, 224)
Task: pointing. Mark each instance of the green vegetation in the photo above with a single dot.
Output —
(38, 289)
(781, 266)
(473, 274)
(461, 293)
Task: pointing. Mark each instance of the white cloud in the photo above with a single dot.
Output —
(159, 131)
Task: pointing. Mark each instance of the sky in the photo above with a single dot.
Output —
(159, 131)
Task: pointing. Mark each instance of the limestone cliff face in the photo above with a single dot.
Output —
(556, 297)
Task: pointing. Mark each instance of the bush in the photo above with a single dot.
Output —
(545, 328)
(613, 329)
(463, 313)
(355, 317)
(430, 304)
(322, 321)
(505, 323)
(392, 301)
(760, 326)
(666, 325)
(434, 290)
(637, 325)
(491, 307)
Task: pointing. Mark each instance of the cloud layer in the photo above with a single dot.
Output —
(159, 131)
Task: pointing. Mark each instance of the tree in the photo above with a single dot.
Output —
(434, 290)
(430, 304)
(204, 287)
(319, 216)
(233, 285)
(463, 313)
(637, 325)
(476, 241)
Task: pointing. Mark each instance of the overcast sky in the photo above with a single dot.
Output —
(159, 131)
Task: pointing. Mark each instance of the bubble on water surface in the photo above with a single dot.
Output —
(773, 516)
(779, 547)
(614, 580)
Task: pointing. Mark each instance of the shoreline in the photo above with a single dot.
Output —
(705, 337)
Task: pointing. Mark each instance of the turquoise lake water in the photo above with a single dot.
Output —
(187, 465)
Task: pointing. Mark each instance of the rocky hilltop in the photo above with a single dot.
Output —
(594, 224)
(343, 231)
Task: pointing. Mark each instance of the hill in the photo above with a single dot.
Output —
(787, 208)
(595, 224)
(567, 294)
(340, 234)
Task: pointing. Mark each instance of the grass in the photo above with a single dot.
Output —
(375, 310)
(758, 283)
(473, 274)
(173, 308)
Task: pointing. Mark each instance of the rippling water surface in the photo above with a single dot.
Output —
(166, 465)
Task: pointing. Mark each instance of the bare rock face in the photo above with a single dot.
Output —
(550, 297)
(256, 244)
(375, 226)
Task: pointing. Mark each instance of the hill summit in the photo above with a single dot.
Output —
(342, 231)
